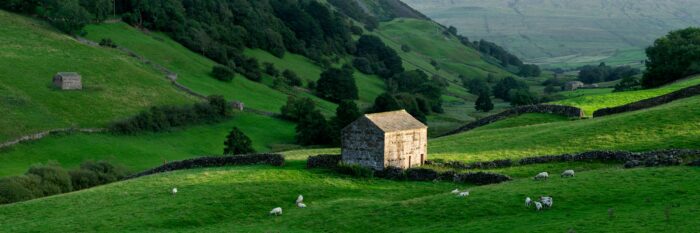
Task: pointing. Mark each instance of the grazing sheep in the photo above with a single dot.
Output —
(301, 205)
(547, 201)
(542, 176)
(300, 199)
(568, 173)
(464, 194)
(538, 206)
(174, 191)
(456, 191)
(276, 211)
(528, 201)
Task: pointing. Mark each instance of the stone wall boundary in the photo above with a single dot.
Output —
(651, 102)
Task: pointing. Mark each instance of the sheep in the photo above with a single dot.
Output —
(174, 191)
(464, 194)
(276, 211)
(456, 191)
(301, 205)
(538, 206)
(528, 201)
(542, 176)
(300, 199)
(568, 173)
(547, 201)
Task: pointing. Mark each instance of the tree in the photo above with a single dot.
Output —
(313, 129)
(483, 103)
(629, 83)
(291, 78)
(66, 15)
(237, 143)
(476, 86)
(296, 108)
(549, 89)
(503, 87)
(519, 97)
(271, 70)
(385, 102)
(529, 70)
(222, 73)
(673, 57)
(346, 113)
(337, 84)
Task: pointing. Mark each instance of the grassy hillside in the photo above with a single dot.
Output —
(672, 125)
(565, 34)
(115, 85)
(149, 150)
(594, 99)
(237, 199)
(194, 70)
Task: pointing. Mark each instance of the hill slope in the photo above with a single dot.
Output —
(565, 33)
(115, 85)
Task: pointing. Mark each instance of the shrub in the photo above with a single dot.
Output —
(238, 143)
(271, 70)
(106, 172)
(107, 42)
(291, 78)
(628, 84)
(83, 179)
(222, 73)
(323, 161)
(19, 188)
(354, 170)
(481, 178)
(54, 179)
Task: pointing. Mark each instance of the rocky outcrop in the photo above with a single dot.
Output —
(568, 111)
(649, 103)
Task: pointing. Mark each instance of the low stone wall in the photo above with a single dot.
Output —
(501, 163)
(40, 135)
(650, 158)
(215, 161)
(649, 103)
(568, 111)
(323, 161)
(481, 178)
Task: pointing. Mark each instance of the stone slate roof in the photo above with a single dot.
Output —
(395, 121)
(68, 74)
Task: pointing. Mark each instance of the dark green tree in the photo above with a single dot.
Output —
(483, 103)
(385, 102)
(237, 143)
(503, 88)
(519, 97)
(297, 108)
(222, 73)
(291, 78)
(673, 57)
(313, 129)
(336, 85)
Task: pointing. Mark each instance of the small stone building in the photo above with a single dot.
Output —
(68, 81)
(238, 105)
(573, 85)
(386, 139)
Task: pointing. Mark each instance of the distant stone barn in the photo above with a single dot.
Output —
(68, 81)
(386, 139)
(573, 85)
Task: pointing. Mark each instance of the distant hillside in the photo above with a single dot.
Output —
(566, 33)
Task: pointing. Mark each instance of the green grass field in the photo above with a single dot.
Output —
(591, 100)
(237, 199)
(115, 85)
(148, 150)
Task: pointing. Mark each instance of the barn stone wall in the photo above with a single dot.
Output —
(363, 144)
(406, 149)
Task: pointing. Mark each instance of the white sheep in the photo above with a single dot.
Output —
(300, 199)
(568, 173)
(301, 205)
(542, 176)
(547, 201)
(174, 191)
(528, 201)
(276, 211)
(456, 191)
(464, 194)
(538, 206)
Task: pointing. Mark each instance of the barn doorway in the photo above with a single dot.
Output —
(422, 159)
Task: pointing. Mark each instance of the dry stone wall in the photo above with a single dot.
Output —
(216, 161)
(649, 103)
(40, 135)
(568, 111)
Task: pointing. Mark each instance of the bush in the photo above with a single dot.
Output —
(628, 84)
(83, 179)
(354, 170)
(107, 42)
(105, 171)
(323, 161)
(271, 70)
(54, 179)
(238, 143)
(222, 73)
(291, 78)
(363, 65)
(481, 178)
(16, 189)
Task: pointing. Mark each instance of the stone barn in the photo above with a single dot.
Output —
(386, 139)
(68, 81)
(573, 85)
